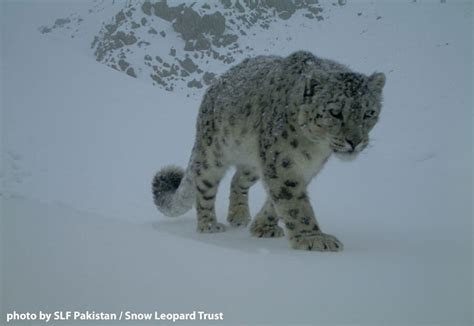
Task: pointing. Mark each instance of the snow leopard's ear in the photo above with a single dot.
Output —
(312, 85)
(377, 81)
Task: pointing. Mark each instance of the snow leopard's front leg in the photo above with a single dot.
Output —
(239, 213)
(265, 224)
(291, 202)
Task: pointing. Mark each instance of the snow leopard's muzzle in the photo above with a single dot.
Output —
(348, 149)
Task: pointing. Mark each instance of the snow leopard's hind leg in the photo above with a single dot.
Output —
(239, 214)
(265, 224)
(208, 171)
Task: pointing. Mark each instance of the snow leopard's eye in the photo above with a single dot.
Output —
(335, 113)
(369, 114)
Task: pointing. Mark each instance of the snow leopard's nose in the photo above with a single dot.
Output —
(353, 143)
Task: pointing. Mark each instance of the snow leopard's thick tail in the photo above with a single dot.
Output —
(173, 190)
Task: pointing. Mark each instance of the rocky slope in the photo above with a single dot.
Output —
(184, 45)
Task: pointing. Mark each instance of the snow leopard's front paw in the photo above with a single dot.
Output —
(266, 230)
(316, 242)
(238, 217)
(210, 227)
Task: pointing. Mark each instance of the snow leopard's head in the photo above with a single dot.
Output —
(341, 107)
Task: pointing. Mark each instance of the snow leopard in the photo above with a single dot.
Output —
(278, 120)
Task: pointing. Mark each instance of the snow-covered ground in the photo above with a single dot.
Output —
(81, 142)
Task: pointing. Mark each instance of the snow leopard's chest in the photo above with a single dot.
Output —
(308, 157)
(311, 158)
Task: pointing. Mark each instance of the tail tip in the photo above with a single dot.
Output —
(165, 182)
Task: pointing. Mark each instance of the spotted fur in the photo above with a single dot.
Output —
(279, 120)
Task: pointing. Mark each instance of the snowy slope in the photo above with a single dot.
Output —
(81, 142)
(81, 261)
